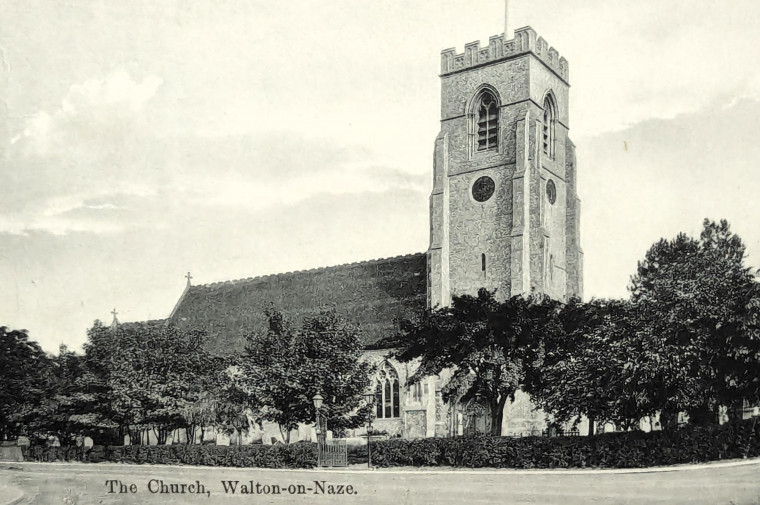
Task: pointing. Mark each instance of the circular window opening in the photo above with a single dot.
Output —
(551, 191)
(483, 189)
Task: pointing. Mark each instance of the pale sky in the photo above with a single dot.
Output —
(140, 140)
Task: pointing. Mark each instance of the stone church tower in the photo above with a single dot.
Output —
(504, 211)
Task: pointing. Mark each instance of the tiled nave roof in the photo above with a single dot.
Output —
(371, 294)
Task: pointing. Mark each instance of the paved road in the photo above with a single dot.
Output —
(80, 484)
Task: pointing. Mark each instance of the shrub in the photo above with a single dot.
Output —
(52, 454)
(612, 450)
(299, 455)
(357, 454)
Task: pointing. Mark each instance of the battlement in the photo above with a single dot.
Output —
(526, 40)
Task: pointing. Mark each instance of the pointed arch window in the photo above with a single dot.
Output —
(550, 112)
(387, 392)
(488, 122)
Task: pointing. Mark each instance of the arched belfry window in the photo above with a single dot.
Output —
(488, 122)
(387, 392)
(550, 117)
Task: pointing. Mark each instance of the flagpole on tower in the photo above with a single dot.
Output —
(508, 35)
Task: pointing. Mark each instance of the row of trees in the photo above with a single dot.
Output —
(687, 340)
(130, 378)
(137, 379)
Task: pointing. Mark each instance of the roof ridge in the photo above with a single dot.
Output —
(144, 322)
(307, 270)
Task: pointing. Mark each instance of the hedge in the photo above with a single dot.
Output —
(612, 450)
(299, 455)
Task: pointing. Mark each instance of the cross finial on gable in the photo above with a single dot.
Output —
(188, 277)
(115, 321)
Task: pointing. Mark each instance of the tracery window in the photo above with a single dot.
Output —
(550, 112)
(387, 392)
(488, 122)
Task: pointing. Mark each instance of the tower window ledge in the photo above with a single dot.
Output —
(486, 154)
(555, 169)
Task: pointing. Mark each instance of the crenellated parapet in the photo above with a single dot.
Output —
(526, 40)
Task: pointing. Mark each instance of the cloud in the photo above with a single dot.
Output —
(116, 89)
(95, 164)
(330, 179)
(644, 59)
(80, 276)
(96, 143)
(116, 100)
(664, 176)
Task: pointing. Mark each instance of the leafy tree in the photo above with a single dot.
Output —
(224, 404)
(235, 408)
(92, 409)
(687, 341)
(592, 367)
(24, 385)
(64, 411)
(286, 367)
(743, 359)
(486, 343)
(149, 374)
(198, 416)
(698, 307)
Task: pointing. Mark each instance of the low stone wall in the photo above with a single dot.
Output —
(11, 453)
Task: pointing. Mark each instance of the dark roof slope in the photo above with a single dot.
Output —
(370, 294)
(136, 325)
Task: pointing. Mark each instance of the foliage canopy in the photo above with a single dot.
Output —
(286, 367)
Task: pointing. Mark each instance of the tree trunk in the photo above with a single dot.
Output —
(135, 436)
(591, 422)
(493, 406)
(497, 415)
(285, 434)
(736, 412)
(668, 420)
(162, 435)
(702, 416)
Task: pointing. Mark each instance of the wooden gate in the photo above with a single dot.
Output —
(332, 452)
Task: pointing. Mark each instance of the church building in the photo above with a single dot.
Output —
(504, 215)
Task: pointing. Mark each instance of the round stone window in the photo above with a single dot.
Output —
(483, 189)
(551, 191)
